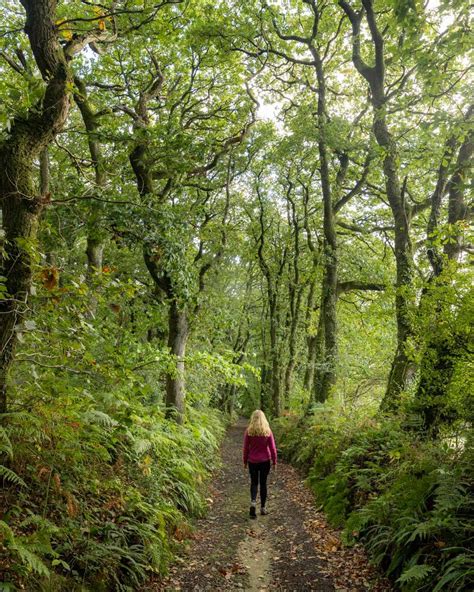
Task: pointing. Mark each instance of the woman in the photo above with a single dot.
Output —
(259, 448)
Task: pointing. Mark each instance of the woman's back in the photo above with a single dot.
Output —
(259, 448)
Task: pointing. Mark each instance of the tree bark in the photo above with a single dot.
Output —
(95, 238)
(329, 288)
(317, 394)
(272, 373)
(94, 252)
(309, 367)
(178, 327)
(295, 296)
(275, 362)
(440, 356)
(21, 204)
(401, 368)
(175, 380)
(311, 340)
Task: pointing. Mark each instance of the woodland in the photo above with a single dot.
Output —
(210, 207)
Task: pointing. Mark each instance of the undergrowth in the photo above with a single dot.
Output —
(97, 486)
(95, 503)
(409, 501)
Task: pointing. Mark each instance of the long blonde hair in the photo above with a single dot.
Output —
(258, 424)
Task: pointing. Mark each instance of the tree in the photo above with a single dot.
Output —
(29, 135)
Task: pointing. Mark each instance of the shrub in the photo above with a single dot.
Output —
(100, 500)
(409, 501)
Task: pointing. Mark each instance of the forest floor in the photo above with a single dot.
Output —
(291, 549)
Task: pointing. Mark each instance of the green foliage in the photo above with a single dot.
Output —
(114, 493)
(98, 485)
(409, 501)
(97, 481)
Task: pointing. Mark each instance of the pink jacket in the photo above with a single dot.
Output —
(259, 449)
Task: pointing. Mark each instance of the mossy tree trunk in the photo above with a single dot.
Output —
(22, 202)
(178, 325)
(272, 376)
(442, 350)
(95, 238)
(375, 77)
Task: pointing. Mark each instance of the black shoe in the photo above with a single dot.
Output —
(253, 512)
(263, 511)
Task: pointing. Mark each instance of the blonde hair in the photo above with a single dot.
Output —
(258, 424)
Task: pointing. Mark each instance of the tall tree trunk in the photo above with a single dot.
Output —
(21, 204)
(293, 322)
(178, 329)
(273, 370)
(264, 373)
(310, 338)
(329, 289)
(308, 378)
(401, 368)
(275, 383)
(295, 296)
(440, 356)
(317, 393)
(175, 380)
(95, 236)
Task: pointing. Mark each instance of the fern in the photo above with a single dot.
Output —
(5, 444)
(415, 573)
(458, 574)
(8, 537)
(99, 417)
(31, 560)
(11, 477)
(22, 550)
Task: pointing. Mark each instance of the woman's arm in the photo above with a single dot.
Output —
(273, 450)
(245, 449)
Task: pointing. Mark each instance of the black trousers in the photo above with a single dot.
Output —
(259, 473)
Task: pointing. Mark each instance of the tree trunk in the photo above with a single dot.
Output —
(95, 237)
(273, 373)
(295, 296)
(275, 359)
(317, 394)
(229, 398)
(308, 379)
(175, 380)
(178, 329)
(402, 368)
(20, 223)
(329, 291)
(439, 359)
(21, 204)
(94, 252)
(310, 342)
(375, 76)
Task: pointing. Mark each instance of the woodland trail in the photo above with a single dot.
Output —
(291, 549)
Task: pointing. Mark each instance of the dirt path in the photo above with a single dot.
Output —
(291, 549)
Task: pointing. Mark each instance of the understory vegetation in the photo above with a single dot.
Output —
(100, 500)
(408, 500)
(212, 207)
